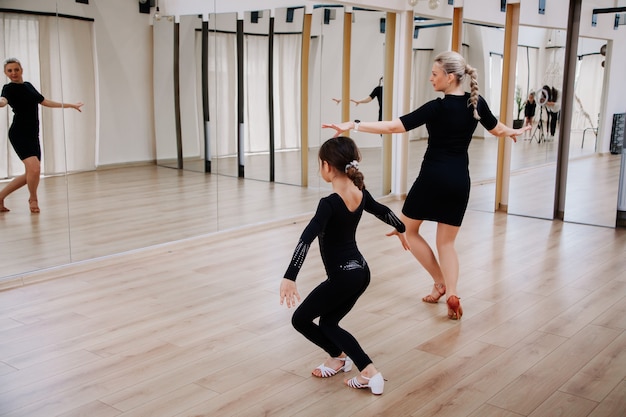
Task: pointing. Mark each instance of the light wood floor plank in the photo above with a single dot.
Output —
(535, 386)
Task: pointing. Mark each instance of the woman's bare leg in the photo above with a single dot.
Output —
(448, 258)
(33, 173)
(14, 184)
(422, 251)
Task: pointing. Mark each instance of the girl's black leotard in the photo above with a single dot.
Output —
(24, 99)
(335, 226)
(441, 191)
(348, 274)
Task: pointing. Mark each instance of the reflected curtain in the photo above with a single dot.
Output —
(223, 98)
(287, 90)
(68, 137)
(256, 94)
(495, 80)
(56, 54)
(20, 39)
(588, 91)
(553, 75)
(527, 71)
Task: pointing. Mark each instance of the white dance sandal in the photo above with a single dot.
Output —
(376, 383)
(326, 372)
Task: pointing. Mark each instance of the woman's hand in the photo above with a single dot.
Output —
(289, 293)
(77, 106)
(519, 132)
(402, 237)
(340, 128)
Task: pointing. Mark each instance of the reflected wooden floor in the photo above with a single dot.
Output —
(194, 328)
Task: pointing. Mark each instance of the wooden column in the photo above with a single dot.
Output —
(567, 104)
(457, 29)
(270, 98)
(509, 61)
(240, 102)
(345, 77)
(304, 99)
(390, 41)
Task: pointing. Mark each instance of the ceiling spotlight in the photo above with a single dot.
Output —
(412, 3)
(433, 4)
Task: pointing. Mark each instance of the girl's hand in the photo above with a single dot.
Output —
(340, 128)
(77, 106)
(289, 293)
(402, 237)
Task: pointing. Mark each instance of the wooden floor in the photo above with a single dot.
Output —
(194, 328)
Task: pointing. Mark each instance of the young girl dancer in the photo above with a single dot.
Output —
(335, 223)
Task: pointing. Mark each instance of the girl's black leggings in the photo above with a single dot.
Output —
(331, 301)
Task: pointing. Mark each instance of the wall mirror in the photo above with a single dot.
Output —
(287, 37)
(28, 241)
(325, 80)
(593, 170)
(368, 28)
(541, 57)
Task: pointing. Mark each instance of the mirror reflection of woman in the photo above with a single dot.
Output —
(441, 191)
(377, 93)
(553, 108)
(24, 131)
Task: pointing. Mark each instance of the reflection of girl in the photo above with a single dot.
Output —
(441, 191)
(24, 131)
(529, 109)
(348, 275)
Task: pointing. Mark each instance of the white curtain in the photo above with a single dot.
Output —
(57, 57)
(256, 93)
(20, 39)
(526, 79)
(72, 79)
(223, 93)
(495, 77)
(287, 52)
(588, 92)
(553, 75)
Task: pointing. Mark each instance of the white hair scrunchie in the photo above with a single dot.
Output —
(354, 164)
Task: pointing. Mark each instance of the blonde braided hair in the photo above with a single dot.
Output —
(454, 63)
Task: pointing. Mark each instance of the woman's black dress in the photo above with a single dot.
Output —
(441, 191)
(24, 99)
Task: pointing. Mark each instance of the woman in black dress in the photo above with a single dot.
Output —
(24, 131)
(441, 191)
(334, 225)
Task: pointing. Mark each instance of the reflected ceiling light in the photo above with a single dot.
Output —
(433, 4)
(157, 12)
